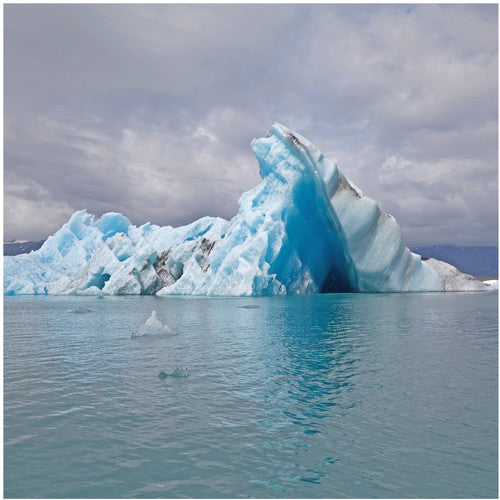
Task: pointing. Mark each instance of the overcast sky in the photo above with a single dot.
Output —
(149, 110)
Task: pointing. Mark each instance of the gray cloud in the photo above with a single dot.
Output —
(149, 110)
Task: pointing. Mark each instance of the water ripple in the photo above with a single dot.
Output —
(323, 396)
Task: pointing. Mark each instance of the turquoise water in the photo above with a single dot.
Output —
(347, 395)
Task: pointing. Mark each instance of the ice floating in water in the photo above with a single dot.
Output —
(306, 228)
(179, 372)
(153, 326)
(492, 284)
(80, 310)
(249, 307)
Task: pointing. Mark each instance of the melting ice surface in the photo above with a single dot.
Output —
(304, 229)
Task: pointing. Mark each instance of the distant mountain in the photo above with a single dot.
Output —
(478, 261)
(17, 247)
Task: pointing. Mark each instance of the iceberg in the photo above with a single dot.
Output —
(306, 228)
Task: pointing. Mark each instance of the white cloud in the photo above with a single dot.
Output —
(149, 173)
(150, 110)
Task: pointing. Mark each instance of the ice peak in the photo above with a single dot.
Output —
(111, 223)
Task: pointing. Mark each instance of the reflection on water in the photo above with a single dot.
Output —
(384, 395)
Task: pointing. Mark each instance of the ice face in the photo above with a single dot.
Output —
(343, 241)
(304, 229)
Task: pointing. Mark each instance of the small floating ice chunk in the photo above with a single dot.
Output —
(249, 307)
(180, 372)
(153, 326)
(80, 310)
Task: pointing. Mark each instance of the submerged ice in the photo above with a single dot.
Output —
(179, 372)
(304, 229)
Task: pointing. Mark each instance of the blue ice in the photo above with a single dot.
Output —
(304, 229)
